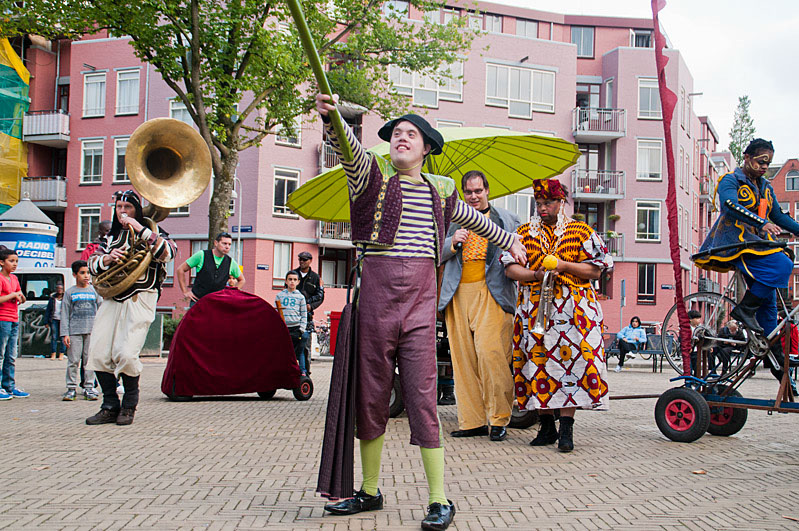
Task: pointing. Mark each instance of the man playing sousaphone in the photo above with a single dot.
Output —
(122, 321)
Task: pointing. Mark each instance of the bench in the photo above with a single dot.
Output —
(653, 348)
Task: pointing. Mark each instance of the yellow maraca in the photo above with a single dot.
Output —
(550, 262)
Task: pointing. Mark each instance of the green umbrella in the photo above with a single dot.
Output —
(510, 160)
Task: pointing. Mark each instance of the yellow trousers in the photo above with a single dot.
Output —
(480, 339)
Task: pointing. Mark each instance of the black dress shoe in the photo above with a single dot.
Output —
(482, 431)
(439, 516)
(357, 504)
(498, 433)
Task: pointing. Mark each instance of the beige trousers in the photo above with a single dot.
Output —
(119, 332)
(480, 335)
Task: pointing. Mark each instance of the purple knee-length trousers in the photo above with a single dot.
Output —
(397, 323)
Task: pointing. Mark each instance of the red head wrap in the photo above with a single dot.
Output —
(548, 189)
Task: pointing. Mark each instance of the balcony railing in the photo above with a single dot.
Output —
(598, 183)
(335, 230)
(52, 189)
(614, 242)
(705, 284)
(327, 157)
(46, 127)
(600, 124)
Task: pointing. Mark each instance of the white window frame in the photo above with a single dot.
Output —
(651, 86)
(680, 226)
(393, 7)
(127, 76)
(527, 25)
(796, 215)
(419, 85)
(90, 178)
(649, 145)
(281, 262)
(493, 23)
(120, 144)
(90, 213)
(450, 14)
(499, 91)
(581, 44)
(294, 139)
(448, 123)
(681, 109)
(648, 206)
(432, 16)
(177, 109)
(647, 294)
(520, 203)
(288, 175)
(793, 177)
(98, 110)
(475, 21)
(680, 167)
(635, 32)
(180, 211)
(795, 287)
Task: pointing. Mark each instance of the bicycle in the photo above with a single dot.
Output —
(322, 330)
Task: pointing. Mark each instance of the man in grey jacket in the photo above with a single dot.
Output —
(478, 302)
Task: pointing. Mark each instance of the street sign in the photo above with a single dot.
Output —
(244, 228)
(667, 286)
(262, 267)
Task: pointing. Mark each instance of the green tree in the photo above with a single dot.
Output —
(743, 130)
(238, 65)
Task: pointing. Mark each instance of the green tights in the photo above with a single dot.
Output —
(433, 459)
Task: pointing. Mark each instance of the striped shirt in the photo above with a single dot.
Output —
(417, 208)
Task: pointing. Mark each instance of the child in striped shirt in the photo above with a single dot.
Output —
(292, 303)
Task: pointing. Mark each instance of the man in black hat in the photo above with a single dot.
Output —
(399, 218)
(311, 286)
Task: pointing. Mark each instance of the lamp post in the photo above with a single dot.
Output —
(237, 195)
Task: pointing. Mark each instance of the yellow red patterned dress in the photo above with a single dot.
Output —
(565, 367)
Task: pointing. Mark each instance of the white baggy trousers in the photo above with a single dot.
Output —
(119, 332)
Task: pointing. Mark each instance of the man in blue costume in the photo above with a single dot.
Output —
(750, 213)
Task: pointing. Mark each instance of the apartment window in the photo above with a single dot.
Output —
(686, 223)
(785, 207)
(493, 23)
(475, 21)
(680, 168)
(650, 160)
(792, 180)
(394, 8)
(520, 204)
(179, 211)
(62, 102)
(93, 95)
(88, 223)
(647, 216)
(687, 168)
(177, 110)
(281, 262)
(641, 38)
(128, 92)
(333, 267)
(680, 227)
(290, 138)
(447, 123)
(609, 94)
(796, 287)
(424, 89)
(520, 90)
(646, 283)
(649, 99)
(796, 213)
(286, 181)
(432, 16)
(450, 15)
(583, 37)
(91, 170)
(526, 28)
(682, 107)
(120, 171)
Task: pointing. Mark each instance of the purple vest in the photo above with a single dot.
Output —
(375, 214)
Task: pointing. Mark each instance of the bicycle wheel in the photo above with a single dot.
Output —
(715, 310)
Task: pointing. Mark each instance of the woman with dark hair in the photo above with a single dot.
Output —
(52, 317)
(631, 337)
(122, 321)
(751, 214)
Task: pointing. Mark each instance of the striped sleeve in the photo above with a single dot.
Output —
(164, 249)
(469, 218)
(95, 261)
(357, 170)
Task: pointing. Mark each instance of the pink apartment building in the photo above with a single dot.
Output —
(587, 79)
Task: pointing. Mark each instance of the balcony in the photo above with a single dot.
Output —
(334, 235)
(705, 284)
(46, 192)
(597, 185)
(615, 243)
(48, 128)
(705, 190)
(327, 157)
(593, 126)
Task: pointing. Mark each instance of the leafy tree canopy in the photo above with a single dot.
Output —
(743, 130)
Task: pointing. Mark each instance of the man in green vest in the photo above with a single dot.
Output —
(214, 269)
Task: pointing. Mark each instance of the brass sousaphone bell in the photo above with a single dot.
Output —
(169, 165)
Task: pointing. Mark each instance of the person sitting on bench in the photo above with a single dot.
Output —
(630, 338)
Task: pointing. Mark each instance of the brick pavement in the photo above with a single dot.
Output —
(243, 463)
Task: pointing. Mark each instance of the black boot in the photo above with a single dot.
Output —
(108, 383)
(131, 397)
(745, 311)
(447, 395)
(547, 434)
(565, 440)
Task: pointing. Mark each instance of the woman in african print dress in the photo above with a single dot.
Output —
(565, 368)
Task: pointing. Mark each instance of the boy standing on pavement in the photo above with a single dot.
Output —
(77, 317)
(10, 298)
(295, 313)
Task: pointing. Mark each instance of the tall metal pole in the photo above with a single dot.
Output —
(319, 73)
(238, 235)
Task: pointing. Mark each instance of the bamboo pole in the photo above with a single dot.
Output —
(319, 73)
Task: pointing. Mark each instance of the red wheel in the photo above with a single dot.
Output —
(305, 390)
(725, 420)
(682, 414)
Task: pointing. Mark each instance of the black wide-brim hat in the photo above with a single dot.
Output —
(431, 136)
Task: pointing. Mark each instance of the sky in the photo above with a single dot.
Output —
(732, 48)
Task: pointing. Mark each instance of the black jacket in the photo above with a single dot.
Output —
(311, 286)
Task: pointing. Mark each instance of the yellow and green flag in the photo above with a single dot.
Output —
(14, 103)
